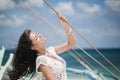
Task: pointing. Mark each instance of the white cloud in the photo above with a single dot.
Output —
(36, 3)
(114, 5)
(13, 21)
(102, 32)
(90, 9)
(112, 31)
(65, 8)
(6, 4)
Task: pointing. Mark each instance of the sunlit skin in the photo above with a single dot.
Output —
(38, 42)
(37, 38)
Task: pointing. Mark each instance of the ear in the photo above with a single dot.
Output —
(33, 48)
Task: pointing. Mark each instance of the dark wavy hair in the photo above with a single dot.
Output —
(24, 58)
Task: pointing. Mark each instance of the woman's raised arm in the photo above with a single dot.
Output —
(70, 37)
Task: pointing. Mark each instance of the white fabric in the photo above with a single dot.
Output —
(58, 65)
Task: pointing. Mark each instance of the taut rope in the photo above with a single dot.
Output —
(90, 44)
(35, 13)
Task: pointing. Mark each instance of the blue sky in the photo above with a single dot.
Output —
(97, 20)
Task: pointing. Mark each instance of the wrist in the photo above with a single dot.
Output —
(70, 30)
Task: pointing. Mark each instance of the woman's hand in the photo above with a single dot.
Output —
(71, 40)
(62, 19)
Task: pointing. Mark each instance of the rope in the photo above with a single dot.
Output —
(95, 49)
(43, 19)
(83, 59)
(27, 6)
(97, 61)
(80, 61)
(79, 47)
(78, 32)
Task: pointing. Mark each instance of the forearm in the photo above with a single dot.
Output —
(67, 45)
(69, 34)
(66, 27)
(68, 31)
(71, 39)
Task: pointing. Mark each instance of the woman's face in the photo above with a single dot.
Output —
(37, 39)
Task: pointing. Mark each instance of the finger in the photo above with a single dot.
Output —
(63, 19)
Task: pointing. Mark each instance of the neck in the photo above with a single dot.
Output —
(42, 51)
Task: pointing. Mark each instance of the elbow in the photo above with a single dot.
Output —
(72, 43)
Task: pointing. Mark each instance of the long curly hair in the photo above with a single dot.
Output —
(24, 59)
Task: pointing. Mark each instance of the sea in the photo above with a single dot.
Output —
(113, 55)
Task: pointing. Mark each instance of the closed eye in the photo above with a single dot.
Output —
(36, 38)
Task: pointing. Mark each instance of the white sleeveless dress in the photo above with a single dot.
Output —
(58, 65)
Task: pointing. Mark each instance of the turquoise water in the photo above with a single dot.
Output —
(112, 54)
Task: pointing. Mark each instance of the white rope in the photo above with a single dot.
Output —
(97, 61)
(83, 59)
(52, 25)
(25, 5)
(81, 62)
(90, 44)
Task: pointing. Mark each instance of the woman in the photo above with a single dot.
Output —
(32, 55)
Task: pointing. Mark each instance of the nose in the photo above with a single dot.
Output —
(39, 35)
